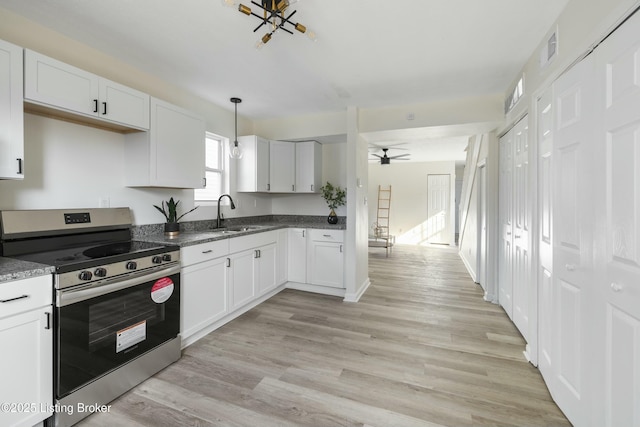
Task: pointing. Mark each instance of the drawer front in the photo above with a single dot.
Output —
(25, 294)
(204, 252)
(319, 235)
(252, 241)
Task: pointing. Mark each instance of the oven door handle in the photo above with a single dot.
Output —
(67, 297)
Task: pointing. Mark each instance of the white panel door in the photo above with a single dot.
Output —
(438, 209)
(545, 241)
(241, 276)
(521, 209)
(11, 112)
(282, 168)
(572, 281)
(618, 221)
(505, 250)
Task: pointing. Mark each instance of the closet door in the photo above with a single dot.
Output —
(546, 322)
(505, 251)
(618, 222)
(572, 240)
(521, 209)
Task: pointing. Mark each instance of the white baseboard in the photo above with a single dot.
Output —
(325, 290)
(468, 267)
(355, 296)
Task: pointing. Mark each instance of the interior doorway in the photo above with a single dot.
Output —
(439, 209)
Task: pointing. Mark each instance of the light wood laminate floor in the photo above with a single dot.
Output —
(421, 348)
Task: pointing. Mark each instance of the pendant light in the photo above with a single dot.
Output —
(236, 151)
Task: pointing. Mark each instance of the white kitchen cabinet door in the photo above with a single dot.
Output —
(282, 248)
(171, 153)
(325, 258)
(53, 83)
(297, 255)
(241, 278)
(11, 112)
(308, 167)
(26, 359)
(124, 105)
(252, 170)
(266, 269)
(282, 166)
(204, 297)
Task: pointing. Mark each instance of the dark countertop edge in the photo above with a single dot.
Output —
(15, 269)
(190, 238)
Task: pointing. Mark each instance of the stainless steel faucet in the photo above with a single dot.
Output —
(233, 206)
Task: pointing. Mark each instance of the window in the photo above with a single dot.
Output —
(214, 169)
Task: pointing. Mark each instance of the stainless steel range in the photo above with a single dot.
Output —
(117, 301)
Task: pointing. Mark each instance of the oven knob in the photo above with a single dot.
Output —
(100, 272)
(166, 257)
(156, 259)
(85, 275)
(131, 265)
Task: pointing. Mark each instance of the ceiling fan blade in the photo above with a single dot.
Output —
(398, 156)
(373, 154)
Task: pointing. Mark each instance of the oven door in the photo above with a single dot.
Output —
(101, 328)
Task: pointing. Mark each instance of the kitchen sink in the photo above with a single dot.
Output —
(238, 229)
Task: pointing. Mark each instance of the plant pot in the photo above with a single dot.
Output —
(171, 229)
(332, 218)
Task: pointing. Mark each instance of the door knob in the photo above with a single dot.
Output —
(570, 267)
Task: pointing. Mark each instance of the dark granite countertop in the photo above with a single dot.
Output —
(196, 235)
(14, 269)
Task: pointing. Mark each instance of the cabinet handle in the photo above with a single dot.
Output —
(311, 187)
(208, 251)
(14, 299)
(19, 166)
(228, 262)
(303, 232)
(95, 105)
(508, 233)
(259, 253)
(104, 108)
(570, 267)
(327, 235)
(340, 248)
(293, 188)
(204, 182)
(268, 187)
(48, 321)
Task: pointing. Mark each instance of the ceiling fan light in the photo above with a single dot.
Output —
(282, 5)
(301, 28)
(244, 9)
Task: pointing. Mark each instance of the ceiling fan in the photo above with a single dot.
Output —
(385, 159)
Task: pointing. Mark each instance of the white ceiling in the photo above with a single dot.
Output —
(369, 53)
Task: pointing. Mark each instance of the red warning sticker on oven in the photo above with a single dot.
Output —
(162, 290)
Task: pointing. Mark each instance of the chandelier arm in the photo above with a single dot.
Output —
(287, 18)
(264, 22)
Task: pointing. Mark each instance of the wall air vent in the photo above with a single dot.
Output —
(549, 50)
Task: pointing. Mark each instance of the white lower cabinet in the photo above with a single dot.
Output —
(26, 362)
(325, 258)
(297, 256)
(224, 278)
(316, 260)
(241, 278)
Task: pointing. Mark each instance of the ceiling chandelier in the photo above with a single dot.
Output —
(275, 17)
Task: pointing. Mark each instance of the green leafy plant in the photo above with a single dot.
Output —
(170, 210)
(334, 196)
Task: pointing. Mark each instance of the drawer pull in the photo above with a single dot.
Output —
(48, 324)
(208, 251)
(327, 235)
(14, 299)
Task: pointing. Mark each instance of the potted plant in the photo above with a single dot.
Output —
(170, 211)
(335, 197)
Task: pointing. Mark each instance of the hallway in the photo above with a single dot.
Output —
(421, 348)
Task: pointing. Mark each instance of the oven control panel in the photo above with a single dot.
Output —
(77, 218)
(107, 272)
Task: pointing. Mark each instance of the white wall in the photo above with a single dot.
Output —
(409, 197)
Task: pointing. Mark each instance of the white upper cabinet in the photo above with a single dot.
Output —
(11, 112)
(308, 167)
(253, 167)
(171, 153)
(54, 84)
(282, 167)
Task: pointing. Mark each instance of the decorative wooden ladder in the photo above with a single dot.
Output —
(382, 238)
